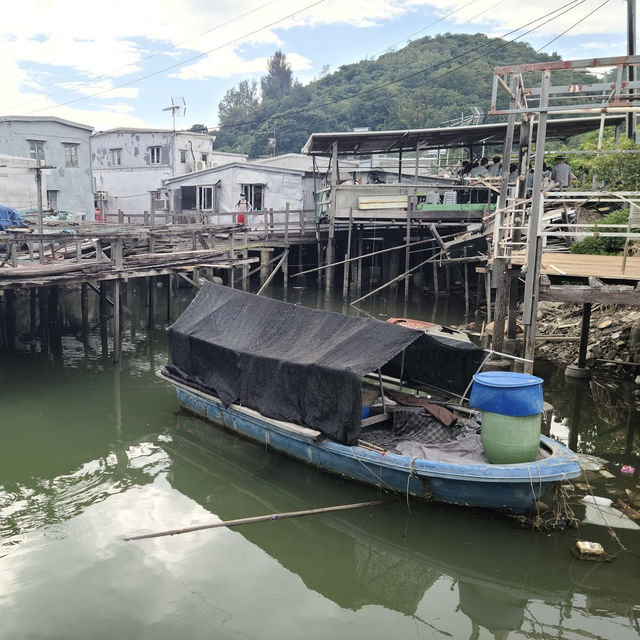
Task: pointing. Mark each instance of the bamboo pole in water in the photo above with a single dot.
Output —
(265, 518)
(373, 253)
(285, 253)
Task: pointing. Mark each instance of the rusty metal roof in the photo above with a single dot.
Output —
(364, 142)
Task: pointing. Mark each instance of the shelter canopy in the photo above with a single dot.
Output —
(298, 364)
(365, 142)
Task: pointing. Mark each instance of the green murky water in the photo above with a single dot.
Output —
(93, 452)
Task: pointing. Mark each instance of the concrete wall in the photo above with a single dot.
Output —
(280, 187)
(73, 184)
(128, 185)
(17, 183)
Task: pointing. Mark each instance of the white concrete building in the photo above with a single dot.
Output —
(131, 164)
(58, 143)
(217, 190)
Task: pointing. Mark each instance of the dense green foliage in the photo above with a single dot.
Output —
(604, 246)
(277, 83)
(428, 82)
(610, 171)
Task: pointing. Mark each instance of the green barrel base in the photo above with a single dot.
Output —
(509, 439)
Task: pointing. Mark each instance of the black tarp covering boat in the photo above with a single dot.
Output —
(298, 364)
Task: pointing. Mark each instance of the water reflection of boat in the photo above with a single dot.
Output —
(387, 556)
(264, 368)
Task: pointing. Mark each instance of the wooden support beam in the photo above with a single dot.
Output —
(584, 335)
(580, 294)
(187, 279)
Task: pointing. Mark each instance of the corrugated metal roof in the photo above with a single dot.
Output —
(364, 142)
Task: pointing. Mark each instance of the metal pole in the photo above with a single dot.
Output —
(631, 50)
(501, 259)
(40, 221)
(534, 241)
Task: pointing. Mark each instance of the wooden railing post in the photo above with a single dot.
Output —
(286, 222)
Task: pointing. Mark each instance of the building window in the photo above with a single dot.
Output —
(188, 198)
(116, 157)
(52, 200)
(183, 156)
(154, 155)
(255, 195)
(36, 149)
(203, 157)
(205, 198)
(70, 154)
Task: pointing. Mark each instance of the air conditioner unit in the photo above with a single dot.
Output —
(200, 165)
(160, 204)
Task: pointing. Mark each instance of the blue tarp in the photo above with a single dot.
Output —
(10, 218)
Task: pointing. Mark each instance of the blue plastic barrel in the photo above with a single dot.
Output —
(507, 393)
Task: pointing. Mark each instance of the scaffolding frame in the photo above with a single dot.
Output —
(527, 103)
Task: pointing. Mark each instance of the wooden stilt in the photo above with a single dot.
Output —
(10, 315)
(360, 252)
(285, 271)
(487, 289)
(152, 313)
(169, 287)
(44, 319)
(407, 257)
(319, 251)
(584, 335)
(347, 255)
(116, 320)
(435, 277)
(32, 314)
(466, 286)
(84, 310)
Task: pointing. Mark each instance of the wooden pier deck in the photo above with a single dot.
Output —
(98, 251)
(575, 265)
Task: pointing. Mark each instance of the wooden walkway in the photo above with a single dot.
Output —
(584, 266)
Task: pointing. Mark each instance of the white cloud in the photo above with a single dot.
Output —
(102, 42)
(104, 89)
(227, 63)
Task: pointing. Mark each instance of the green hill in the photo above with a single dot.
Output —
(426, 83)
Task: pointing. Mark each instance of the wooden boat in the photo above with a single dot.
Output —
(292, 378)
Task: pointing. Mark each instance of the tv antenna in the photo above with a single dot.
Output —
(177, 105)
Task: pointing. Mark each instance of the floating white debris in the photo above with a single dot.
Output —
(608, 517)
(590, 463)
(597, 500)
(587, 548)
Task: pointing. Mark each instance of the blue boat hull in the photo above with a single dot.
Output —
(513, 487)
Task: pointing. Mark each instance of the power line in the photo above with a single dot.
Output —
(415, 33)
(575, 24)
(145, 59)
(178, 64)
(568, 6)
(501, 46)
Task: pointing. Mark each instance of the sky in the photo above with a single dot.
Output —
(118, 63)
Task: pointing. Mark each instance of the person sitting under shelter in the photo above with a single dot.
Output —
(561, 173)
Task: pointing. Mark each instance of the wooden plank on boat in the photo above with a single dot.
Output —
(371, 420)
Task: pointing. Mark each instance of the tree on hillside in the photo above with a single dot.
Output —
(238, 104)
(277, 83)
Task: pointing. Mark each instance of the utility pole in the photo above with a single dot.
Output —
(631, 51)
